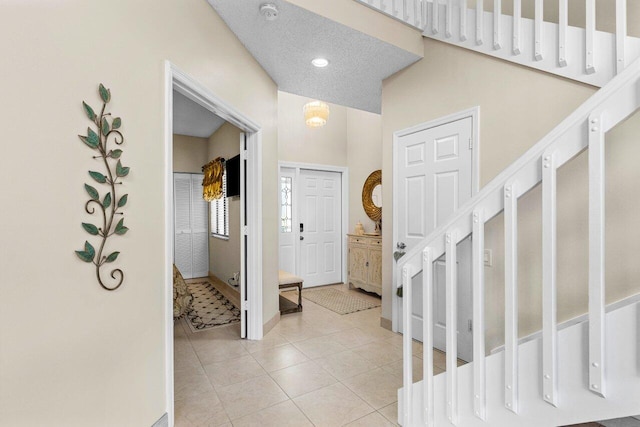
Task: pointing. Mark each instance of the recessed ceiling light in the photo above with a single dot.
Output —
(320, 62)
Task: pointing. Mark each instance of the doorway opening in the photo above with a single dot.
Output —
(250, 272)
(435, 170)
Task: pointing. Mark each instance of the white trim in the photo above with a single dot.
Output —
(175, 79)
(344, 171)
(474, 114)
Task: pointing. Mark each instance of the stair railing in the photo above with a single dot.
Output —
(582, 54)
(584, 128)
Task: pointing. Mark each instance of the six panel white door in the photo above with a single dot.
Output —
(320, 212)
(434, 172)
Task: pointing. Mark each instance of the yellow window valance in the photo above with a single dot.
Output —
(212, 182)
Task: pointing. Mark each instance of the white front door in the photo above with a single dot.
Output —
(320, 230)
(433, 168)
(288, 221)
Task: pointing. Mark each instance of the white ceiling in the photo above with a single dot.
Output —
(192, 119)
(285, 47)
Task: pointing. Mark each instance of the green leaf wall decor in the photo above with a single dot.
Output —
(105, 130)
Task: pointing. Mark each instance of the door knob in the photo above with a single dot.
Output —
(301, 237)
(400, 245)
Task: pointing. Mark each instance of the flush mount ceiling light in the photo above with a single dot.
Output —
(320, 62)
(269, 11)
(315, 113)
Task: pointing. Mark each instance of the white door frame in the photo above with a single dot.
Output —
(176, 79)
(344, 171)
(474, 114)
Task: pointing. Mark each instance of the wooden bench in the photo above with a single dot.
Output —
(287, 280)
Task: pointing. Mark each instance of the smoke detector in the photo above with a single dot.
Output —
(269, 11)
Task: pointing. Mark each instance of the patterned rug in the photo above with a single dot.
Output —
(209, 308)
(338, 301)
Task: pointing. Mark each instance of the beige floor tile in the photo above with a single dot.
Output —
(285, 414)
(395, 369)
(378, 388)
(319, 346)
(391, 413)
(190, 385)
(440, 359)
(374, 419)
(272, 359)
(233, 371)
(303, 378)
(353, 337)
(199, 411)
(379, 352)
(345, 364)
(250, 396)
(298, 331)
(334, 405)
(218, 349)
(272, 339)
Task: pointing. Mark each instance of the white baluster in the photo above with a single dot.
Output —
(463, 20)
(451, 278)
(448, 18)
(511, 295)
(479, 22)
(435, 16)
(538, 25)
(597, 337)
(407, 349)
(427, 336)
(590, 36)
(563, 24)
(549, 291)
(621, 34)
(479, 376)
(517, 27)
(497, 20)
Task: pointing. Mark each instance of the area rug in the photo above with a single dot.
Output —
(210, 308)
(338, 301)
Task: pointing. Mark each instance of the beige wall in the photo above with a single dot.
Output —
(224, 255)
(351, 138)
(605, 13)
(326, 145)
(189, 153)
(518, 106)
(73, 354)
(364, 153)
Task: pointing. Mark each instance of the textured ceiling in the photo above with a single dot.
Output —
(285, 47)
(192, 119)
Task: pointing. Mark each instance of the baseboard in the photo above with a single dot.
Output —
(162, 422)
(231, 293)
(385, 323)
(271, 323)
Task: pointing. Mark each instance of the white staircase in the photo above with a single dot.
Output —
(583, 372)
(581, 54)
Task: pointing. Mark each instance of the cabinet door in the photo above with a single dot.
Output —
(375, 266)
(358, 263)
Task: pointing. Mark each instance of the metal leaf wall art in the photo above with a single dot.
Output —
(105, 206)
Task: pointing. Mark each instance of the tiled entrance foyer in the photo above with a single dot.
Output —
(315, 368)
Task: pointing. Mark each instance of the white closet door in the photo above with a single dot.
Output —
(191, 243)
(199, 229)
